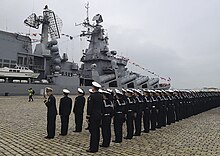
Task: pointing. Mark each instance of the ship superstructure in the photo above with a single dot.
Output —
(99, 63)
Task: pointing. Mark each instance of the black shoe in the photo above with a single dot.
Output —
(87, 128)
(62, 134)
(144, 131)
(91, 151)
(47, 137)
(127, 138)
(137, 135)
(103, 146)
(116, 141)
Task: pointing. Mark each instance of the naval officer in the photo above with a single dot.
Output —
(94, 114)
(119, 116)
(130, 113)
(51, 113)
(79, 109)
(64, 111)
(106, 118)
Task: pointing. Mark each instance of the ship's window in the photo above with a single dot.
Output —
(0, 65)
(13, 62)
(26, 68)
(62, 73)
(30, 60)
(18, 71)
(5, 65)
(20, 60)
(65, 73)
(12, 66)
(0, 60)
(10, 70)
(6, 61)
(25, 61)
(14, 71)
(71, 74)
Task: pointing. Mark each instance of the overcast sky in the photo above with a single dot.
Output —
(174, 38)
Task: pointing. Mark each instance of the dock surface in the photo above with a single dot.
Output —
(23, 128)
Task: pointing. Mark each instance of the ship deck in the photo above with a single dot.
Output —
(23, 127)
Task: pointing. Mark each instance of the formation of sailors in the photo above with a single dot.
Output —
(141, 110)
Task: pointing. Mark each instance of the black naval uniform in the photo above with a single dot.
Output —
(106, 122)
(51, 116)
(147, 110)
(78, 111)
(119, 117)
(94, 111)
(159, 111)
(64, 111)
(153, 116)
(138, 110)
(130, 108)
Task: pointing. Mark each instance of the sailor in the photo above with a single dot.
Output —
(106, 118)
(30, 93)
(138, 111)
(64, 111)
(130, 108)
(119, 115)
(159, 108)
(169, 109)
(176, 101)
(88, 100)
(111, 96)
(124, 94)
(153, 116)
(164, 108)
(79, 109)
(94, 113)
(51, 113)
(147, 110)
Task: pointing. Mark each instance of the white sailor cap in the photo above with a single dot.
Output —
(96, 84)
(48, 89)
(138, 91)
(66, 91)
(90, 90)
(100, 91)
(80, 90)
(158, 91)
(118, 92)
(152, 91)
(106, 92)
(123, 90)
(170, 91)
(129, 91)
(109, 90)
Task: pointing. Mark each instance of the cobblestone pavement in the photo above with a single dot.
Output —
(23, 127)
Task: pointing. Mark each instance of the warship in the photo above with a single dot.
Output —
(22, 68)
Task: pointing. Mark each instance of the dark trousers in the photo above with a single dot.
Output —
(31, 98)
(159, 117)
(118, 123)
(146, 118)
(130, 125)
(51, 125)
(64, 124)
(78, 122)
(169, 114)
(137, 123)
(94, 129)
(106, 130)
(164, 115)
(153, 118)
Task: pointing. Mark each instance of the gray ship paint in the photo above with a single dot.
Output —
(99, 63)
